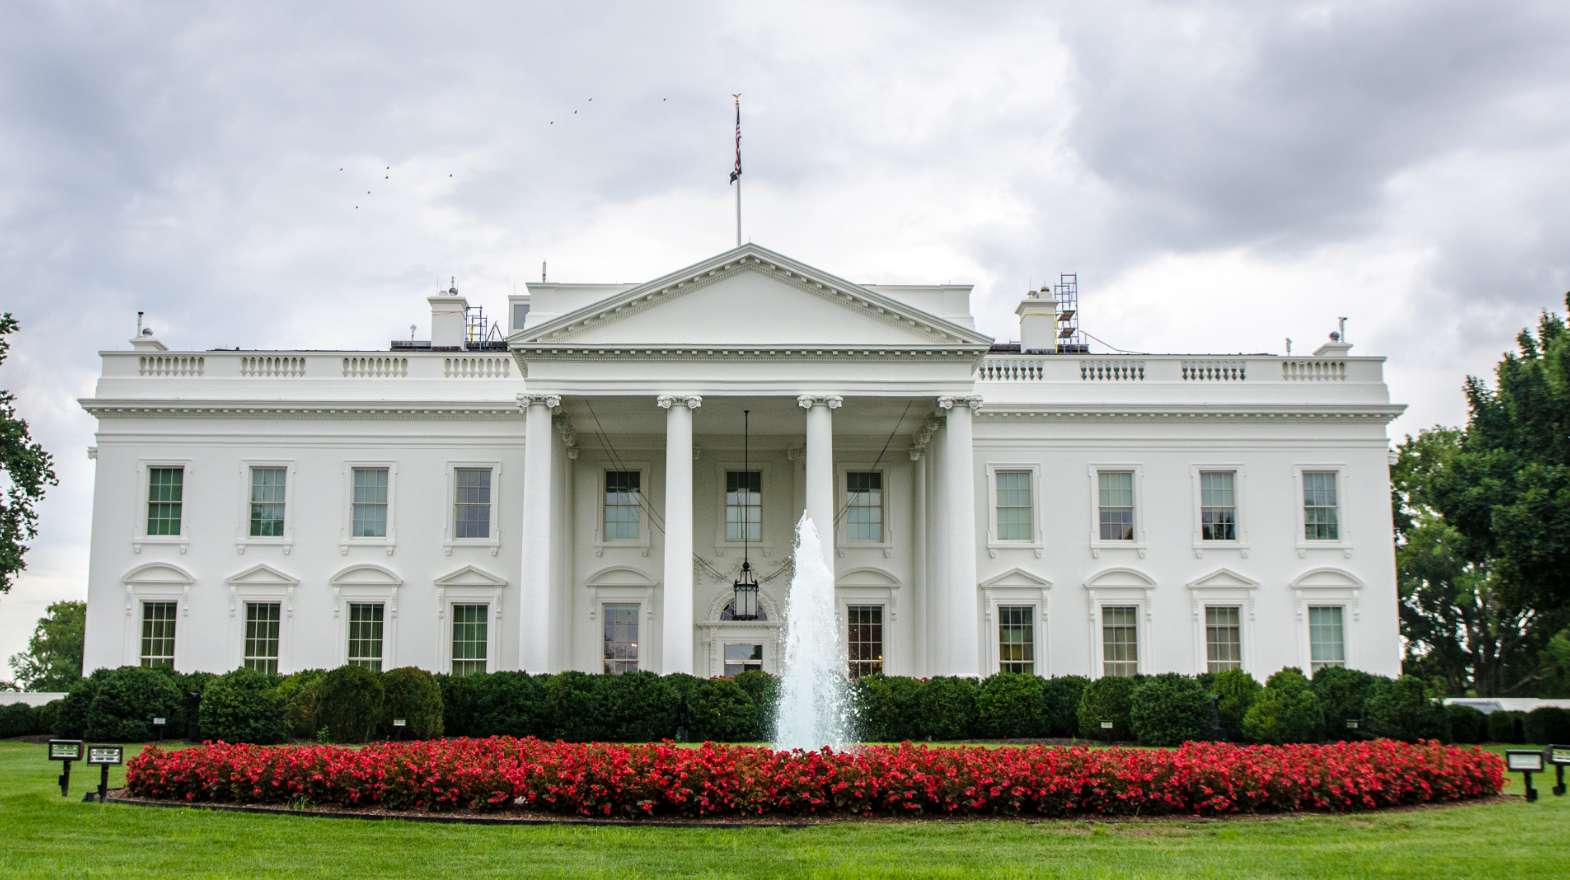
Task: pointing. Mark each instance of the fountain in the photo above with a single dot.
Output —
(814, 708)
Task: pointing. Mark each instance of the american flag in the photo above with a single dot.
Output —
(735, 174)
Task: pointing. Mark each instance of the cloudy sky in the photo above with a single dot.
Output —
(1221, 177)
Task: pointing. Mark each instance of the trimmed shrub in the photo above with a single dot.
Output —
(349, 703)
(1170, 709)
(511, 704)
(686, 688)
(461, 703)
(244, 706)
(1011, 705)
(1343, 695)
(47, 716)
(569, 705)
(1404, 709)
(298, 691)
(946, 708)
(636, 707)
(1465, 724)
(1507, 726)
(1547, 725)
(410, 693)
(1285, 711)
(1060, 704)
(886, 707)
(763, 690)
(17, 719)
(1106, 699)
(1234, 691)
(127, 699)
(720, 711)
(188, 720)
(71, 720)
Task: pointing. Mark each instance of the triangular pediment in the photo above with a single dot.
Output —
(262, 575)
(750, 297)
(470, 576)
(1223, 579)
(1017, 577)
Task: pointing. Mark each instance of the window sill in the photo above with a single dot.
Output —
(1342, 547)
(286, 542)
(1239, 547)
(641, 545)
(994, 546)
(492, 544)
(388, 544)
(1099, 547)
(180, 541)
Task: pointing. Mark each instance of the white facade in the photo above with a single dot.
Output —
(983, 543)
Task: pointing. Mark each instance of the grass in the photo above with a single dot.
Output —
(44, 835)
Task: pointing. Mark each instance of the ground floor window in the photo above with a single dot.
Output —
(469, 638)
(1223, 638)
(1326, 637)
(1119, 640)
(158, 634)
(864, 639)
(365, 635)
(261, 636)
(740, 657)
(621, 638)
(1016, 638)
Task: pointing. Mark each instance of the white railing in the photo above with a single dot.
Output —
(1012, 369)
(477, 366)
(1111, 371)
(1149, 369)
(1313, 370)
(170, 365)
(272, 366)
(379, 366)
(1215, 370)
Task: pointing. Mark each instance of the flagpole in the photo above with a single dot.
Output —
(737, 176)
(738, 212)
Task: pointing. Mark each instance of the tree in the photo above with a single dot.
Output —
(53, 659)
(26, 469)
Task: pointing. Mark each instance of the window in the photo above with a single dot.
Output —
(743, 506)
(370, 502)
(1326, 644)
(365, 635)
(165, 500)
(864, 506)
(261, 636)
(269, 486)
(1016, 638)
(864, 640)
(469, 638)
(1223, 638)
(1218, 505)
(1015, 514)
(623, 503)
(741, 657)
(471, 503)
(158, 632)
(1120, 640)
(621, 638)
(1321, 520)
(1115, 491)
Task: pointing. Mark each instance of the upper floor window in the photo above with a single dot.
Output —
(165, 500)
(269, 488)
(1016, 521)
(1321, 509)
(158, 620)
(743, 506)
(471, 503)
(864, 506)
(623, 503)
(1218, 505)
(1326, 637)
(1017, 638)
(369, 505)
(1115, 505)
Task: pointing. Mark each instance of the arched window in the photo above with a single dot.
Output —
(729, 612)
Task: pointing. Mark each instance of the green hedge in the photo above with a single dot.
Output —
(1106, 700)
(18, 719)
(1547, 725)
(1060, 697)
(1287, 710)
(349, 703)
(1507, 726)
(1465, 725)
(244, 706)
(1012, 705)
(1234, 691)
(1343, 696)
(1169, 710)
(1405, 709)
(410, 693)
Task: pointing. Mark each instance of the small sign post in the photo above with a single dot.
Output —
(399, 724)
(65, 751)
(1559, 756)
(105, 757)
(159, 722)
(1525, 762)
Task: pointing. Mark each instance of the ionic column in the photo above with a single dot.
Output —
(676, 612)
(537, 609)
(957, 626)
(820, 466)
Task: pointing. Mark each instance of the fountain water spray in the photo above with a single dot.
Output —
(814, 708)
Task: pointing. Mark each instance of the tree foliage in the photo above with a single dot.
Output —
(25, 469)
(53, 659)
(1483, 527)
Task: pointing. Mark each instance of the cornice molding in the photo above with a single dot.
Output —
(695, 352)
(270, 409)
(1358, 412)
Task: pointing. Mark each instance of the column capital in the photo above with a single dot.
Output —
(549, 401)
(690, 401)
(808, 401)
(949, 401)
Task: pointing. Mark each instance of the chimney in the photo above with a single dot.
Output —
(144, 340)
(447, 319)
(1038, 322)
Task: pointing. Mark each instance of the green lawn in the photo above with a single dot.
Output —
(43, 835)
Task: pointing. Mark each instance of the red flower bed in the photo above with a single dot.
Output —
(597, 779)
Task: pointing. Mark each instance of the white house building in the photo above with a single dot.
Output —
(579, 497)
